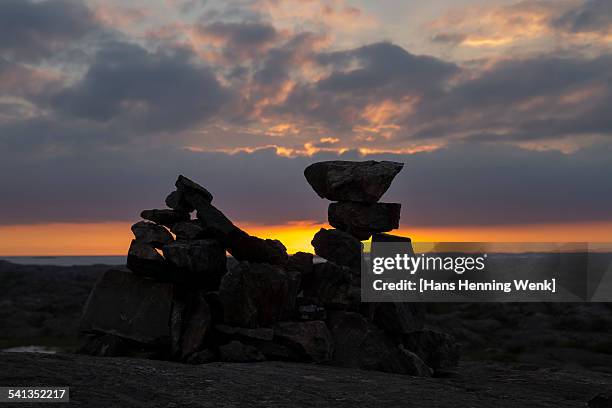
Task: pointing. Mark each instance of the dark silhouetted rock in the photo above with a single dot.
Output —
(216, 223)
(197, 322)
(399, 317)
(390, 238)
(144, 260)
(177, 320)
(245, 247)
(300, 261)
(352, 181)
(176, 200)
(105, 345)
(242, 333)
(338, 247)
(254, 295)
(311, 339)
(406, 243)
(192, 192)
(437, 349)
(201, 262)
(164, 217)
(310, 309)
(129, 306)
(189, 230)
(239, 244)
(152, 234)
(329, 284)
(202, 357)
(236, 352)
(361, 220)
(360, 344)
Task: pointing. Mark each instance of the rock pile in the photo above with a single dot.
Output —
(183, 299)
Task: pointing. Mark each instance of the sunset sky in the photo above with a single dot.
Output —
(500, 110)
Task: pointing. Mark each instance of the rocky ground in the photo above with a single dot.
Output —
(106, 382)
(41, 304)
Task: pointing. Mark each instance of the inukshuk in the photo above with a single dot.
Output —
(183, 299)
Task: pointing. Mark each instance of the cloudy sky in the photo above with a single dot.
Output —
(501, 111)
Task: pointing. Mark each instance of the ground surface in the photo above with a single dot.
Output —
(110, 382)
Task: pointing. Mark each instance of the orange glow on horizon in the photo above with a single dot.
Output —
(63, 239)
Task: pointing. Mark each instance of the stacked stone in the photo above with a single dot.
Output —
(388, 336)
(183, 299)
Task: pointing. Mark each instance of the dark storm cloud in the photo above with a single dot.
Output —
(497, 100)
(590, 16)
(385, 72)
(247, 37)
(164, 90)
(464, 184)
(32, 30)
(385, 67)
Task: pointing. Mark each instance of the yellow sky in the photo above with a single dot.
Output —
(114, 238)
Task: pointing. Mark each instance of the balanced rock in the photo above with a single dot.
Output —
(338, 247)
(192, 192)
(399, 317)
(164, 217)
(254, 295)
(129, 306)
(360, 344)
(152, 234)
(188, 230)
(361, 219)
(437, 349)
(363, 181)
(311, 340)
(143, 259)
(246, 247)
(200, 262)
(176, 200)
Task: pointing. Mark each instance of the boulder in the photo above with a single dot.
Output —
(437, 349)
(363, 181)
(106, 345)
(300, 261)
(406, 243)
(188, 230)
(164, 217)
(399, 318)
(143, 259)
(360, 344)
(129, 306)
(200, 262)
(254, 295)
(245, 247)
(361, 219)
(338, 247)
(176, 200)
(196, 325)
(152, 234)
(192, 192)
(216, 224)
(177, 320)
(236, 352)
(311, 340)
(328, 285)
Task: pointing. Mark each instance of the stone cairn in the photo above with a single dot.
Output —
(184, 300)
